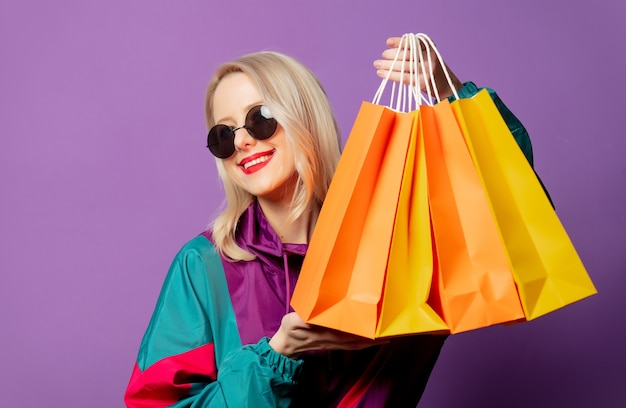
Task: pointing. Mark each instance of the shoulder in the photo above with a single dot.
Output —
(199, 247)
(193, 307)
(197, 263)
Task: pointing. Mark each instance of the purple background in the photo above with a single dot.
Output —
(104, 174)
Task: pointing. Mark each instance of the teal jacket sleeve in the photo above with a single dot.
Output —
(191, 354)
(515, 126)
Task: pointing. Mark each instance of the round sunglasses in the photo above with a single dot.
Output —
(260, 124)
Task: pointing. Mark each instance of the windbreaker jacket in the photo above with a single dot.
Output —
(207, 342)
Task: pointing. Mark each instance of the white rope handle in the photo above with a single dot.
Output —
(411, 46)
(422, 68)
(430, 45)
(401, 99)
(414, 76)
(383, 84)
(408, 94)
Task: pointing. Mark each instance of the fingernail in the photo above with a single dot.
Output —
(377, 64)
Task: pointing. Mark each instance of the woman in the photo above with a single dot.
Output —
(223, 333)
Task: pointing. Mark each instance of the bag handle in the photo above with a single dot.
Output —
(430, 45)
(407, 93)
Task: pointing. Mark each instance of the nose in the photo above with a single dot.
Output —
(243, 140)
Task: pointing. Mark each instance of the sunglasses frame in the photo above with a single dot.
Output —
(221, 138)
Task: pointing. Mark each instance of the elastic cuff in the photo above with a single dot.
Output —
(283, 365)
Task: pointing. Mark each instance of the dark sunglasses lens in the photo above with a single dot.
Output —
(260, 123)
(221, 141)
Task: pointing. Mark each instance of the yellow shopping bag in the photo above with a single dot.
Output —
(404, 307)
(546, 267)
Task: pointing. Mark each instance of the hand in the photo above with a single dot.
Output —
(384, 65)
(294, 337)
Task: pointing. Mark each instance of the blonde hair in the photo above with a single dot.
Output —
(299, 103)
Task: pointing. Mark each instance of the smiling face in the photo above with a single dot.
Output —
(264, 168)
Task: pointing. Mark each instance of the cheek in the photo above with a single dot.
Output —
(231, 170)
(290, 162)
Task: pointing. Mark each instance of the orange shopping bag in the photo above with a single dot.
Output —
(342, 277)
(473, 285)
(548, 271)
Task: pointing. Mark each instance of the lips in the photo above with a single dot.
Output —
(255, 162)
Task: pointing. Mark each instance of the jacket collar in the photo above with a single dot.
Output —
(255, 234)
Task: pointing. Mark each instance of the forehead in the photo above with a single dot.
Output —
(234, 92)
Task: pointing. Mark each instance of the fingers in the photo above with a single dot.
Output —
(400, 55)
(295, 337)
(393, 42)
(390, 54)
(397, 73)
(330, 339)
(395, 76)
(428, 64)
(388, 65)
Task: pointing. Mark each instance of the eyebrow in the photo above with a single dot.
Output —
(246, 109)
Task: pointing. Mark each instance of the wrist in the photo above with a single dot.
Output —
(279, 345)
(446, 89)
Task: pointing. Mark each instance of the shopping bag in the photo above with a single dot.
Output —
(404, 308)
(342, 277)
(546, 267)
(473, 286)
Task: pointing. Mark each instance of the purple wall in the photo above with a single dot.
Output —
(104, 174)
